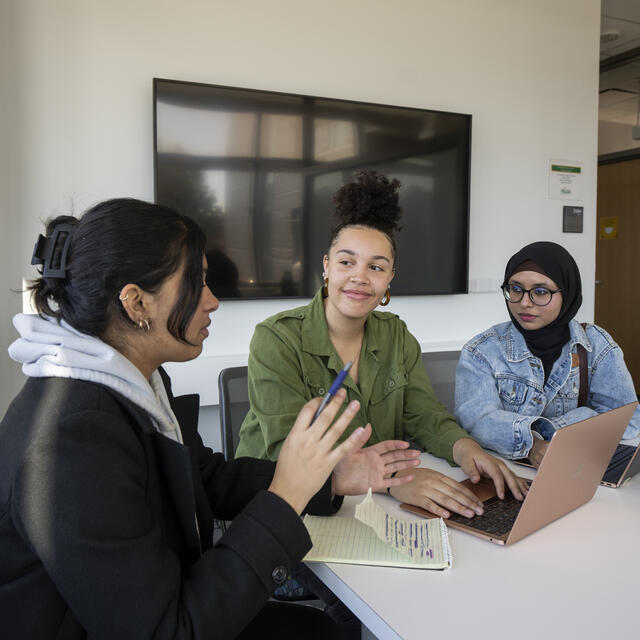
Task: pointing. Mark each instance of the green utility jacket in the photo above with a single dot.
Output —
(292, 360)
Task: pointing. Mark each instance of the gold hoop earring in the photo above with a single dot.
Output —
(325, 287)
(386, 299)
(144, 325)
(123, 299)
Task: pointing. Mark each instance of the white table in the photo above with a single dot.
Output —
(578, 577)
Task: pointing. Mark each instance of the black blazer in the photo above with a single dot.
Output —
(106, 525)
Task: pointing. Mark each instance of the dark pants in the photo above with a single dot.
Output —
(284, 621)
(280, 620)
(337, 611)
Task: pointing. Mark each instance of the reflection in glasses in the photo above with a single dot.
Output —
(540, 296)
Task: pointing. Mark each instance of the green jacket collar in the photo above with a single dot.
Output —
(315, 334)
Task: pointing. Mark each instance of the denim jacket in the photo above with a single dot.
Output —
(501, 394)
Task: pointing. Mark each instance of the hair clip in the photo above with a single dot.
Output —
(44, 251)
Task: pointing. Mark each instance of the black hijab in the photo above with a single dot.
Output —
(556, 263)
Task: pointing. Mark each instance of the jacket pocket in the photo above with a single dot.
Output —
(568, 394)
(571, 388)
(316, 382)
(388, 381)
(317, 389)
(512, 392)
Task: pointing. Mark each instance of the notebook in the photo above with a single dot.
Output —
(375, 537)
(567, 478)
(624, 464)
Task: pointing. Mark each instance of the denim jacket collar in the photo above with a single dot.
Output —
(516, 348)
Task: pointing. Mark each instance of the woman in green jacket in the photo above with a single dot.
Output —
(295, 355)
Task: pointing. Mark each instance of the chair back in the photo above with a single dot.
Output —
(441, 369)
(234, 406)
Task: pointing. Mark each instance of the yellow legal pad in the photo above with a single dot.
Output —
(420, 544)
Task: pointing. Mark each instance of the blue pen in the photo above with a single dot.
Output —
(337, 383)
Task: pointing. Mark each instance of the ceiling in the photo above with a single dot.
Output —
(619, 78)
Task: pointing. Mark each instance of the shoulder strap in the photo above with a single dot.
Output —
(584, 372)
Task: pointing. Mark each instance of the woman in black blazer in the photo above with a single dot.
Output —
(107, 494)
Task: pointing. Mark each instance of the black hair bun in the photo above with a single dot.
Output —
(370, 199)
(46, 291)
(52, 223)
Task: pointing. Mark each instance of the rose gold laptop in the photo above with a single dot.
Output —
(622, 467)
(567, 478)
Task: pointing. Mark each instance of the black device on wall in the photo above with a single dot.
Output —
(258, 169)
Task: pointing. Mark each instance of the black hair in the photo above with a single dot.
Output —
(115, 243)
(370, 200)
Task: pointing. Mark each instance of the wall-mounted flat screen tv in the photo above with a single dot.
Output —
(258, 169)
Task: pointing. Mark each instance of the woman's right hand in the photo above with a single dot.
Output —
(309, 454)
(438, 494)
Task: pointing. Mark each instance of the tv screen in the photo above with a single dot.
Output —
(257, 170)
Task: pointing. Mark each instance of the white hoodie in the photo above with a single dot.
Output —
(48, 348)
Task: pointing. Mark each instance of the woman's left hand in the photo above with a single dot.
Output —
(476, 462)
(372, 467)
(537, 451)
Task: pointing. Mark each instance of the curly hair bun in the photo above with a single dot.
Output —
(370, 199)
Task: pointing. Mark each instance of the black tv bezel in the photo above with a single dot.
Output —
(467, 186)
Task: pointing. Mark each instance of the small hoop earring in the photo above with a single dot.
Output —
(144, 325)
(386, 299)
(325, 287)
(123, 299)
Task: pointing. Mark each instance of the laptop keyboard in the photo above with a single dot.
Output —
(618, 463)
(622, 454)
(498, 517)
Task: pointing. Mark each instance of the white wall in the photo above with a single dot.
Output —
(10, 376)
(526, 71)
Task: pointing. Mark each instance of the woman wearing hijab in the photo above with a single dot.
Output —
(519, 381)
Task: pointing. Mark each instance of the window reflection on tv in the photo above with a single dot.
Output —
(257, 170)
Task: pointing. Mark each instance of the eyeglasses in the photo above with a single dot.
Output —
(540, 296)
